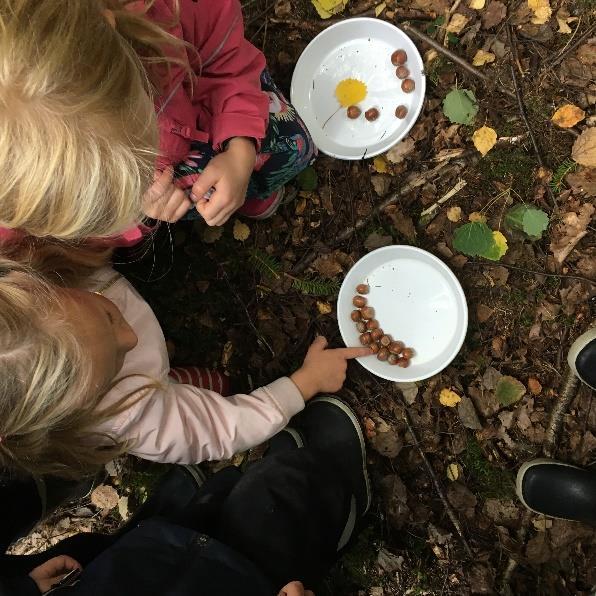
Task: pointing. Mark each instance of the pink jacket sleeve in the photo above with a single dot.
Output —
(184, 424)
(228, 88)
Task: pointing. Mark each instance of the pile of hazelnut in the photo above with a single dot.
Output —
(399, 59)
(382, 344)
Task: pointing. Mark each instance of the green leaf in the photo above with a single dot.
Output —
(434, 25)
(509, 390)
(498, 248)
(460, 106)
(308, 179)
(452, 38)
(474, 239)
(525, 218)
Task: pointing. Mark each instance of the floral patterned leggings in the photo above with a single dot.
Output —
(285, 152)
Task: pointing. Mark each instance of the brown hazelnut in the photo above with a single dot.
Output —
(377, 333)
(393, 358)
(359, 301)
(386, 340)
(354, 112)
(402, 72)
(401, 112)
(361, 327)
(408, 86)
(356, 316)
(372, 324)
(362, 289)
(395, 347)
(365, 339)
(403, 362)
(399, 57)
(407, 353)
(371, 114)
(383, 354)
(368, 312)
(375, 347)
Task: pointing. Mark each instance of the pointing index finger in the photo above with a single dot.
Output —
(349, 353)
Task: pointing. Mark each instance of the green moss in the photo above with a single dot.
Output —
(486, 479)
(513, 167)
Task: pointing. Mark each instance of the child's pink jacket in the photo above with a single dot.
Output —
(180, 423)
(225, 99)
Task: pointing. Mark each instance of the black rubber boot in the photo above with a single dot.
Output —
(582, 358)
(558, 490)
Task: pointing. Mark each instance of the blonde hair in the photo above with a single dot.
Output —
(48, 411)
(78, 132)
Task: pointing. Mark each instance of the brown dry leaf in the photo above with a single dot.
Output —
(542, 11)
(583, 180)
(570, 230)
(241, 231)
(453, 472)
(477, 217)
(283, 8)
(584, 148)
(484, 313)
(481, 58)
(495, 12)
(563, 19)
(399, 152)
(212, 234)
(457, 23)
(104, 497)
(454, 213)
(324, 307)
(327, 266)
(386, 441)
(402, 223)
(381, 184)
(467, 414)
(375, 241)
(534, 386)
(568, 115)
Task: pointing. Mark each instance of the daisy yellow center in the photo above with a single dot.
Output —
(349, 92)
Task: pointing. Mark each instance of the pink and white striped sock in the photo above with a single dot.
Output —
(204, 378)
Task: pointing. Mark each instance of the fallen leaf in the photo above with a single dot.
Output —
(324, 307)
(484, 139)
(568, 115)
(104, 497)
(542, 524)
(509, 390)
(457, 23)
(542, 11)
(123, 508)
(494, 14)
(282, 9)
(528, 219)
(534, 386)
(328, 266)
(386, 440)
(380, 165)
(449, 398)
(467, 414)
(241, 231)
(563, 19)
(398, 152)
(409, 390)
(584, 148)
(583, 181)
(477, 4)
(570, 230)
(481, 58)
(483, 313)
(460, 106)
(477, 217)
(327, 8)
(498, 248)
(212, 234)
(454, 214)
(375, 241)
(389, 562)
(473, 239)
(308, 179)
(379, 8)
(453, 472)
(381, 184)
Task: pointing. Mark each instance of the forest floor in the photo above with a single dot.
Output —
(253, 306)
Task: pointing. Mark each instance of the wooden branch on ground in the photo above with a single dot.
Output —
(570, 48)
(429, 214)
(453, 57)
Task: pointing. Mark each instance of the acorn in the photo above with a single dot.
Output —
(408, 86)
(399, 57)
(356, 316)
(362, 289)
(402, 72)
(359, 301)
(365, 339)
(371, 114)
(368, 312)
(377, 333)
(372, 324)
(353, 112)
(401, 112)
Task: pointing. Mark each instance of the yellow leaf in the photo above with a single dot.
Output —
(349, 92)
(379, 8)
(477, 4)
(454, 214)
(542, 11)
(380, 165)
(477, 217)
(449, 398)
(568, 115)
(327, 8)
(453, 472)
(500, 243)
(481, 58)
(241, 231)
(324, 307)
(484, 139)
(457, 23)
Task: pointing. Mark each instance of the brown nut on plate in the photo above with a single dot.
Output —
(395, 347)
(361, 326)
(372, 114)
(408, 86)
(353, 112)
(393, 358)
(377, 333)
(383, 354)
(368, 312)
(359, 301)
(403, 362)
(399, 57)
(402, 72)
(365, 339)
(385, 340)
(356, 316)
(401, 112)
(407, 353)
(375, 347)
(372, 324)
(362, 289)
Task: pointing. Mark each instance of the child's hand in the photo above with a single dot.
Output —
(165, 201)
(229, 173)
(325, 370)
(52, 571)
(295, 589)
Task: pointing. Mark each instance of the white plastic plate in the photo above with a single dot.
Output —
(417, 299)
(360, 49)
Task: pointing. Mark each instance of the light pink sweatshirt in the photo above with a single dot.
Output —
(181, 423)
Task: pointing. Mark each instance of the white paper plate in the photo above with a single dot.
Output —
(417, 299)
(360, 49)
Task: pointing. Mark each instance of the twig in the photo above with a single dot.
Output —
(566, 396)
(448, 14)
(450, 512)
(570, 48)
(348, 232)
(522, 532)
(522, 110)
(453, 57)
(429, 214)
(532, 271)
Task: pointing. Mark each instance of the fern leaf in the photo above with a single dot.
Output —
(265, 264)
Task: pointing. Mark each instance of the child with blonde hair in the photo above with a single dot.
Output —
(114, 108)
(84, 375)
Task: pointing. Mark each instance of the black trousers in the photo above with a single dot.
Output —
(285, 514)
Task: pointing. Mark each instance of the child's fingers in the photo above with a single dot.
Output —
(207, 180)
(349, 353)
(319, 343)
(161, 184)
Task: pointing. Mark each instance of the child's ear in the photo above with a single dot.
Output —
(110, 16)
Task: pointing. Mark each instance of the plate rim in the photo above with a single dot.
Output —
(460, 293)
(422, 75)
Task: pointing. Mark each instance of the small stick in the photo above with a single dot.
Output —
(448, 14)
(428, 214)
(570, 48)
(452, 56)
